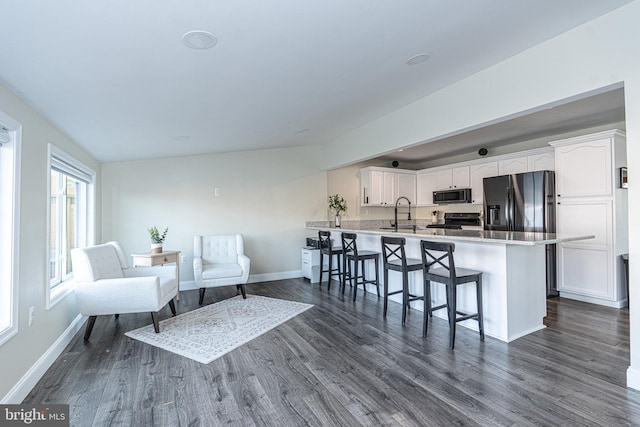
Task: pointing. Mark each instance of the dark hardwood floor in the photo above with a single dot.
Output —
(340, 363)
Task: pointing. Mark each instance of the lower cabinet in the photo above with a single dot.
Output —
(311, 264)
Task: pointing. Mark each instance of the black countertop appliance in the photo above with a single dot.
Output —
(524, 202)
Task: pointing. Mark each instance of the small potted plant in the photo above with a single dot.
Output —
(157, 239)
(338, 205)
(434, 217)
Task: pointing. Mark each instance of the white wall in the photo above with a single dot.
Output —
(265, 195)
(598, 54)
(21, 353)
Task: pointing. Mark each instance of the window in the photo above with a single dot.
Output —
(10, 143)
(71, 207)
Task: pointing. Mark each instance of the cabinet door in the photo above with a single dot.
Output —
(585, 267)
(478, 173)
(426, 185)
(389, 188)
(371, 187)
(406, 186)
(460, 177)
(541, 162)
(444, 179)
(511, 166)
(584, 169)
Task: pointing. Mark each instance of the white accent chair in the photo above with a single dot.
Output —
(106, 285)
(219, 260)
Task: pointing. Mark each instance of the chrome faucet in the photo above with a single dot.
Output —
(395, 212)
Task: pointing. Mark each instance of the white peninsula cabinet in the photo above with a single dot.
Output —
(590, 201)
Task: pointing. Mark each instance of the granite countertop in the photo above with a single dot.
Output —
(479, 236)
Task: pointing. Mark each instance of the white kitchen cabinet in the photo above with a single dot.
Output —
(589, 202)
(382, 186)
(541, 162)
(478, 172)
(447, 179)
(426, 185)
(584, 169)
(389, 188)
(513, 165)
(406, 186)
(371, 186)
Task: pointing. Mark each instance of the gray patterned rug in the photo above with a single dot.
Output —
(214, 330)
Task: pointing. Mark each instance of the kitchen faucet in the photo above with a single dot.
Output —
(395, 212)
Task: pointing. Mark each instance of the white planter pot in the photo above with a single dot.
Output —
(156, 248)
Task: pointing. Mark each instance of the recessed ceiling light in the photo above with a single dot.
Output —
(182, 138)
(418, 59)
(199, 39)
(302, 130)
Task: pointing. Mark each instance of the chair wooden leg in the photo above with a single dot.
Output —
(385, 291)
(377, 277)
(479, 298)
(355, 288)
(330, 256)
(244, 293)
(201, 295)
(322, 268)
(405, 296)
(90, 323)
(156, 324)
(172, 306)
(451, 308)
(426, 301)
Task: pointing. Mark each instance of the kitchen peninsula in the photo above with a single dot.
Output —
(513, 263)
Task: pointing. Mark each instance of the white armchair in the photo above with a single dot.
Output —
(219, 260)
(106, 285)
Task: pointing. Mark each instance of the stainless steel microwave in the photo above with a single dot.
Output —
(462, 195)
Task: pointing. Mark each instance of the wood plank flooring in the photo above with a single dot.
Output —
(341, 364)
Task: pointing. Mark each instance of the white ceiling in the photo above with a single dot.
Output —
(116, 78)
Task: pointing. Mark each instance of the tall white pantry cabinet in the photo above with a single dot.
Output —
(590, 200)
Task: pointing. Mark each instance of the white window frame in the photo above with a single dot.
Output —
(9, 226)
(59, 157)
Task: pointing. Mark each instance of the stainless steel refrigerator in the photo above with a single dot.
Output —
(524, 202)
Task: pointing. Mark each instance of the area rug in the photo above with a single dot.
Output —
(209, 332)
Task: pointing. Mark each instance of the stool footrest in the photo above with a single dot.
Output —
(466, 316)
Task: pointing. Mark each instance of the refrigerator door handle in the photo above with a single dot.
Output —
(508, 210)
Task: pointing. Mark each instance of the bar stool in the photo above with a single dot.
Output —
(438, 266)
(330, 251)
(350, 254)
(394, 258)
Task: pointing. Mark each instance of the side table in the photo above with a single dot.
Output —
(150, 259)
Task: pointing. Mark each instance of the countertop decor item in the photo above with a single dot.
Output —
(434, 217)
(338, 205)
(157, 239)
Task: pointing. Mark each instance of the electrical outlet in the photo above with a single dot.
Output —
(216, 191)
(183, 259)
(32, 314)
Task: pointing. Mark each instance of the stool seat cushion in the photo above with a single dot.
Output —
(460, 272)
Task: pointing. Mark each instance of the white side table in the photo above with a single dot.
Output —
(311, 264)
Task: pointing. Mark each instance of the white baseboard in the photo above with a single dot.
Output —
(37, 371)
(189, 285)
(593, 300)
(633, 378)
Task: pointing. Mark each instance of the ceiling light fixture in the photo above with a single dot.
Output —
(182, 138)
(199, 39)
(418, 59)
(303, 130)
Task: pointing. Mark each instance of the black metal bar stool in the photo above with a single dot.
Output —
(326, 248)
(350, 254)
(394, 258)
(438, 266)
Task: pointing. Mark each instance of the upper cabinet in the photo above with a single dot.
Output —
(478, 173)
(383, 186)
(448, 179)
(426, 185)
(513, 165)
(584, 169)
(541, 162)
